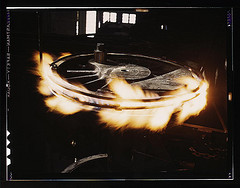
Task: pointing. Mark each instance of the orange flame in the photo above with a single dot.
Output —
(194, 106)
(55, 102)
(133, 110)
(126, 91)
(41, 70)
(63, 105)
(154, 118)
(65, 54)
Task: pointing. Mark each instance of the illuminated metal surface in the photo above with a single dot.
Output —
(128, 72)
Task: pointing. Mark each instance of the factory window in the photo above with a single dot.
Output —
(77, 24)
(77, 28)
(109, 17)
(128, 18)
(132, 18)
(91, 21)
(163, 27)
(99, 24)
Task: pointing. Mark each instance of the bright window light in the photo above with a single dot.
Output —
(77, 24)
(132, 19)
(113, 17)
(77, 27)
(106, 17)
(91, 17)
(125, 18)
(109, 17)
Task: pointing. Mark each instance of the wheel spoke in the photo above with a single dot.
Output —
(93, 81)
(88, 71)
(84, 76)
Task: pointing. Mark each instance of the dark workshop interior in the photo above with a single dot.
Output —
(44, 143)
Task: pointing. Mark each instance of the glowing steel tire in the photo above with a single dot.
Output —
(83, 66)
(125, 90)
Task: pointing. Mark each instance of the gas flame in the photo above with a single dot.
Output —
(64, 54)
(54, 101)
(152, 117)
(126, 91)
(194, 106)
(133, 107)
(41, 70)
(62, 105)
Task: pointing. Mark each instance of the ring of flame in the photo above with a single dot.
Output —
(112, 108)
